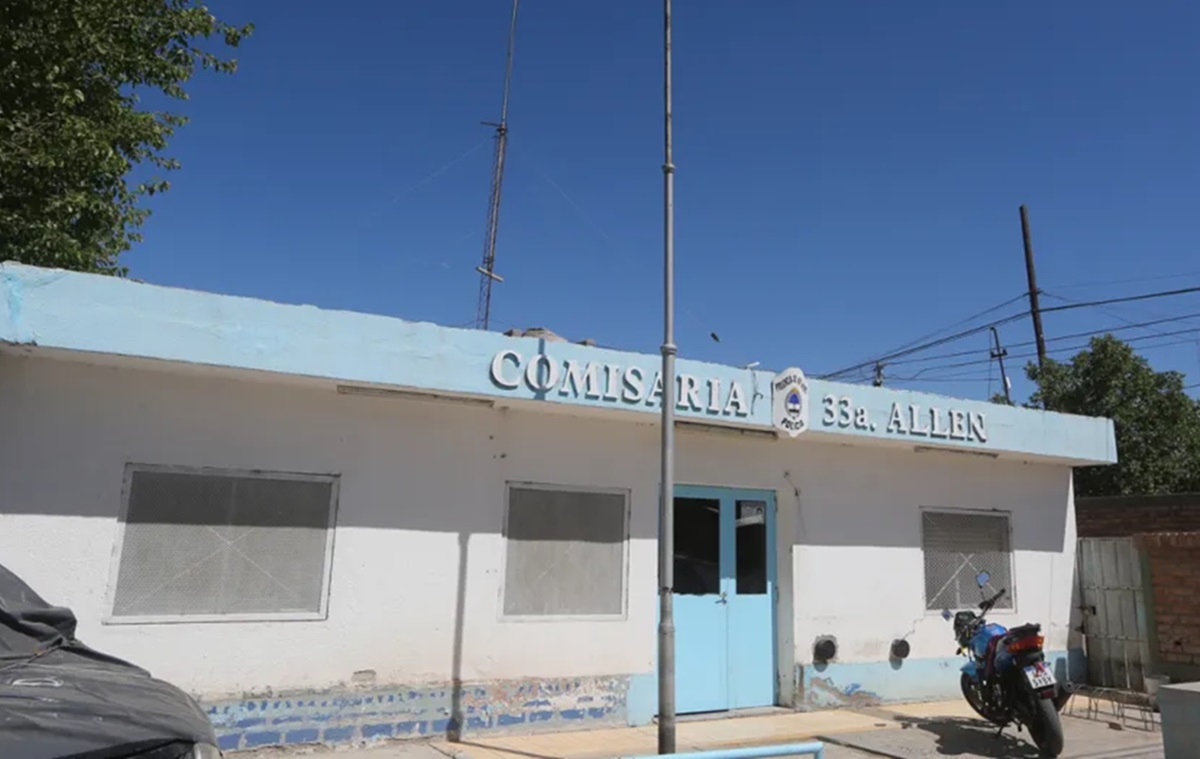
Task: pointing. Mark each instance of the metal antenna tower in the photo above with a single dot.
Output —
(487, 273)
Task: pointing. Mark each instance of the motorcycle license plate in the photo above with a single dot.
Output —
(1039, 676)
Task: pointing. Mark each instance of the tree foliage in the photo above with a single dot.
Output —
(1157, 423)
(71, 129)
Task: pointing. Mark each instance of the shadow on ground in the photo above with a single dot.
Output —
(975, 738)
(940, 736)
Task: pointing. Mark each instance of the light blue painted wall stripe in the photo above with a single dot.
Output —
(842, 684)
(84, 312)
(106, 315)
(1009, 428)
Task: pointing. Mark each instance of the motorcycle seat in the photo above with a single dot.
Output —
(1023, 631)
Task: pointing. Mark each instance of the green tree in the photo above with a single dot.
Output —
(71, 129)
(1157, 423)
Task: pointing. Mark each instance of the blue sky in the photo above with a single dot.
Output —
(848, 178)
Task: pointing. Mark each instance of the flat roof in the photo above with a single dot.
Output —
(71, 311)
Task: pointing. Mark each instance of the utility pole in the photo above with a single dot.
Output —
(666, 500)
(878, 380)
(999, 353)
(487, 273)
(1034, 309)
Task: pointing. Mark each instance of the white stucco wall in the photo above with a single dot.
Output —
(419, 478)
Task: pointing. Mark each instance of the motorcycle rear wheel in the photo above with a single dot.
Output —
(971, 692)
(1046, 728)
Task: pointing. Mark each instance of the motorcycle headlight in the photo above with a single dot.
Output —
(205, 751)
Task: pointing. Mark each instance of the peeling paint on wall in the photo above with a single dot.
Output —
(823, 692)
(840, 685)
(338, 717)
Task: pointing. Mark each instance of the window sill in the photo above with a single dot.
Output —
(189, 619)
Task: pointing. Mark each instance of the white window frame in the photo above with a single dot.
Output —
(1012, 554)
(625, 493)
(110, 618)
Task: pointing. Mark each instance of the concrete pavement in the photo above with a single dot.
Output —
(912, 731)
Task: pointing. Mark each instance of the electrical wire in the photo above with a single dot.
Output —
(1123, 299)
(967, 320)
(1131, 280)
(961, 322)
(1122, 318)
(933, 344)
(955, 378)
(890, 358)
(1027, 343)
(1069, 348)
(1116, 315)
(1119, 317)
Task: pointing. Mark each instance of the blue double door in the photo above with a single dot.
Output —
(724, 599)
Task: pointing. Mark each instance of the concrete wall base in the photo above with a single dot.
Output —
(1179, 706)
(354, 716)
(840, 685)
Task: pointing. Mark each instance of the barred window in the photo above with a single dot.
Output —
(199, 543)
(565, 551)
(957, 547)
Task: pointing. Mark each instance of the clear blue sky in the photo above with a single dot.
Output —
(848, 173)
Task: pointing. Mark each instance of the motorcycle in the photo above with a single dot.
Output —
(1006, 679)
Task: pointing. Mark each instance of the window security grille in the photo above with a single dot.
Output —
(565, 552)
(957, 547)
(214, 544)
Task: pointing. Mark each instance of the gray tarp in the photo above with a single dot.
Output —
(59, 698)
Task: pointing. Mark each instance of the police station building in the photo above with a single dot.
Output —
(332, 526)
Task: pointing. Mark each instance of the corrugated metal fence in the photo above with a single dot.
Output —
(1113, 594)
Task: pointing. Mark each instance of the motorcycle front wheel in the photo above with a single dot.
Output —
(1046, 728)
(971, 692)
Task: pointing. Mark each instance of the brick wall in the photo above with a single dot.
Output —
(1174, 561)
(1123, 516)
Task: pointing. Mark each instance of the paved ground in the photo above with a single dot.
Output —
(967, 738)
(918, 731)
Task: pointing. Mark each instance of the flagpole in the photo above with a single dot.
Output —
(666, 502)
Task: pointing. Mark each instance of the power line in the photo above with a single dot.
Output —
(1120, 317)
(1105, 330)
(967, 320)
(888, 358)
(1125, 299)
(981, 378)
(1116, 315)
(1131, 280)
(969, 374)
(1069, 348)
(932, 344)
(971, 378)
(1113, 313)
(960, 322)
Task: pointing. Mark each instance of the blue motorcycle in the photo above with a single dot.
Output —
(1006, 679)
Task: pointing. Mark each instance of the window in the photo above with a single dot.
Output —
(201, 544)
(957, 547)
(697, 546)
(751, 552)
(565, 552)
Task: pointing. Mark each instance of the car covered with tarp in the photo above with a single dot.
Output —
(59, 698)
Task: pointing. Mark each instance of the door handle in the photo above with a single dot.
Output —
(722, 599)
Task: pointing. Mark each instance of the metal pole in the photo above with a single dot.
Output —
(999, 353)
(666, 500)
(487, 273)
(1034, 309)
